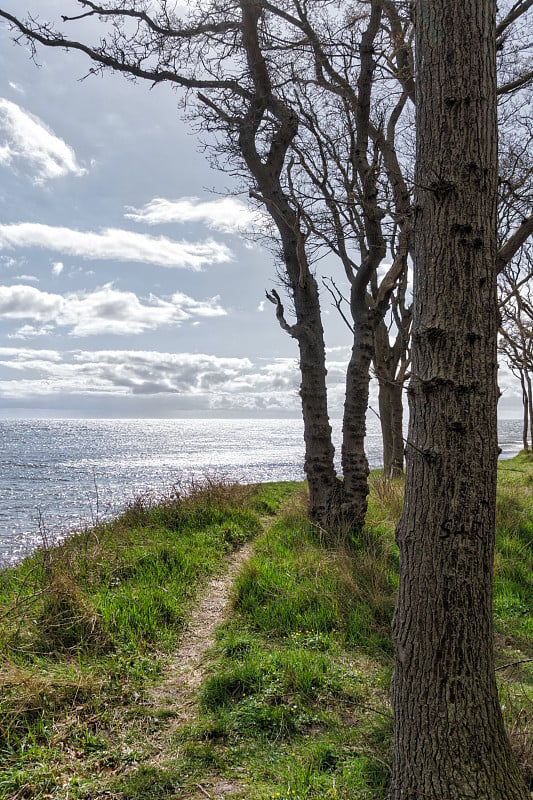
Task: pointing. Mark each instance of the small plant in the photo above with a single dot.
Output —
(388, 493)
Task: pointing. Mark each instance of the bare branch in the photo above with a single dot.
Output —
(516, 11)
(514, 243)
(519, 83)
(274, 298)
(109, 60)
(338, 298)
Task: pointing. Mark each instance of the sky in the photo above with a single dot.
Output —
(129, 284)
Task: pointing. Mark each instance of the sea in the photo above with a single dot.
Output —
(61, 475)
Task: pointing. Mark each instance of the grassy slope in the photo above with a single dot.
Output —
(296, 701)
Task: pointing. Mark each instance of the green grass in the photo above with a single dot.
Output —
(513, 589)
(294, 699)
(85, 625)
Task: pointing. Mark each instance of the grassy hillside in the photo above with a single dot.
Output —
(293, 700)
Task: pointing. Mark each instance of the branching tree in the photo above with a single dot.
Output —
(343, 186)
(218, 52)
(516, 331)
(228, 53)
(383, 133)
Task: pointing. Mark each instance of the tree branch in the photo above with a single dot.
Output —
(514, 243)
(519, 83)
(274, 298)
(337, 298)
(48, 38)
(516, 11)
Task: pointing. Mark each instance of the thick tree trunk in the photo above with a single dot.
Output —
(396, 400)
(324, 486)
(385, 419)
(450, 742)
(354, 461)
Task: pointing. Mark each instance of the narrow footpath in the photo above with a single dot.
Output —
(184, 672)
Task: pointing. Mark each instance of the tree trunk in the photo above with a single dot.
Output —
(308, 331)
(396, 395)
(450, 741)
(530, 405)
(325, 489)
(324, 486)
(391, 419)
(385, 419)
(390, 402)
(354, 461)
(525, 404)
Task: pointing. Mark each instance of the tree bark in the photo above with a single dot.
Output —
(396, 400)
(391, 419)
(324, 486)
(450, 741)
(354, 460)
(525, 404)
(530, 405)
(385, 419)
(390, 401)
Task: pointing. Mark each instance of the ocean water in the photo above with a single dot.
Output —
(57, 475)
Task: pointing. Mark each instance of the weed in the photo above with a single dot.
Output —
(387, 494)
(149, 783)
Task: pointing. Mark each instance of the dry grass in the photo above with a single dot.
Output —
(387, 494)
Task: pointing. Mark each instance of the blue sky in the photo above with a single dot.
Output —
(127, 284)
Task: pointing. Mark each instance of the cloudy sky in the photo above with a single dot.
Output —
(127, 287)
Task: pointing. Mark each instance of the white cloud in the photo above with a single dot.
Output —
(103, 311)
(195, 380)
(116, 372)
(32, 278)
(115, 244)
(31, 332)
(25, 138)
(262, 305)
(227, 215)
(58, 267)
(17, 87)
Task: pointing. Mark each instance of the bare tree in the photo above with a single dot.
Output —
(217, 56)
(516, 331)
(228, 53)
(347, 202)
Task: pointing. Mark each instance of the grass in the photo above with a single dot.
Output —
(85, 625)
(294, 699)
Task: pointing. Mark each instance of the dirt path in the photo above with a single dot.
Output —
(184, 671)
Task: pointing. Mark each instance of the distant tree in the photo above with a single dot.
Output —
(450, 740)
(516, 331)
